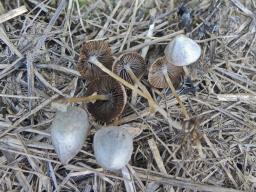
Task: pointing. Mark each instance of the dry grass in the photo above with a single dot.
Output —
(215, 150)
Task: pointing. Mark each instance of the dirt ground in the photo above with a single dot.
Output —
(214, 150)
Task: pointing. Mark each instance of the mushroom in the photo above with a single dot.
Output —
(131, 67)
(113, 147)
(159, 68)
(68, 132)
(152, 104)
(163, 74)
(129, 63)
(182, 51)
(107, 110)
(101, 51)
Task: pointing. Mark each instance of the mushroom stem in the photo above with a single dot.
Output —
(185, 69)
(134, 96)
(87, 99)
(137, 81)
(153, 105)
(183, 108)
(141, 86)
(187, 75)
(136, 84)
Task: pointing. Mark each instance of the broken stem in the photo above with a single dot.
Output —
(87, 99)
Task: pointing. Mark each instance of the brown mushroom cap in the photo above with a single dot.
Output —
(156, 73)
(106, 111)
(129, 60)
(99, 49)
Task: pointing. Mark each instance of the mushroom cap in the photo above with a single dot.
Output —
(158, 68)
(182, 51)
(113, 147)
(132, 60)
(108, 110)
(99, 49)
(68, 132)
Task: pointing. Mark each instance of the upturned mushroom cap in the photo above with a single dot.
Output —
(106, 111)
(158, 68)
(68, 132)
(99, 49)
(132, 60)
(182, 51)
(113, 147)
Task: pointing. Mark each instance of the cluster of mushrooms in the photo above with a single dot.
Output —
(106, 97)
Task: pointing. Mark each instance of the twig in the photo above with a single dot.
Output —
(6, 40)
(144, 51)
(51, 23)
(128, 181)
(154, 41)
(129, 31)
(156, 155)
(19, 96)
(247, 98)
(103, 30)
(30, 78)
(13, 13)
(79, 14)
(59, 68)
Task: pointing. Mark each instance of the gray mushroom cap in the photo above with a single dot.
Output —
(68, 132)
(182, 51)
(113, 147)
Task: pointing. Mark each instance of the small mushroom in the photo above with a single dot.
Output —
(68, 132)
(159, 68)
(129, 63)
(113, 147)
(182, 51)
(99, 50)
(107, 110)
(163, 74)
(131, 67)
